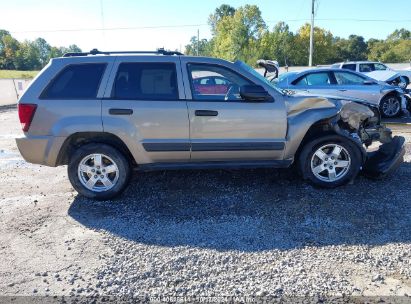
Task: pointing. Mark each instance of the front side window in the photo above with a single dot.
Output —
(380, 67)
(315, 79)
(222, 84)
(348, 78)
(77, 81)
(146, 81)
(349, 66)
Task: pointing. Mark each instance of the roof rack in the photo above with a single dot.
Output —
(97, 52)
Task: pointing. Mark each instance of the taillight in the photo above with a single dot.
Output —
(26, 113)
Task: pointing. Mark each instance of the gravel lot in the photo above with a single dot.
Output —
(207, 233)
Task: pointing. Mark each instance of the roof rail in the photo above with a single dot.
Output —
(97, 52)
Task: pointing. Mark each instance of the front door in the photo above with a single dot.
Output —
(353, 85)
(223, 127)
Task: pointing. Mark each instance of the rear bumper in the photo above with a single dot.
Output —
(42, 150)
(386, 160)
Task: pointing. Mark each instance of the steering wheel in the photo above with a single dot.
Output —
(232, 92)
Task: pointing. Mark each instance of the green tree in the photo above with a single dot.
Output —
(204, 47)
(44, 50)
(8, 49)
(55, 52)
(74, 49)
(323, 46)
(353, 48)
(237, 36)
(223, 10)
(277, 45)
(396, 48)
(27, 57)
(400, 34)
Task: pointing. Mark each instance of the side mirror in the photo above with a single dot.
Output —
(254, 93)
(369, 82)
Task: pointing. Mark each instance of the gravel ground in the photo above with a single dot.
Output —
(201, 233)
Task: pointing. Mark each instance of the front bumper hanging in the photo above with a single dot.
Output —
(386, 159)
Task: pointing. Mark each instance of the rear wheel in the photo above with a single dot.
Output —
(390, 106)
(330, 162)
(98, 171)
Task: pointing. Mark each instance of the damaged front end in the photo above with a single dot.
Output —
(362, 124)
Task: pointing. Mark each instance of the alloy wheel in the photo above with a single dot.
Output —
(391, 106)
(330, 163)
(98, 172)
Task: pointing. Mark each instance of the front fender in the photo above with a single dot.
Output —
(298, 126)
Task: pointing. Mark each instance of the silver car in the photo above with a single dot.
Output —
(346, 84)
(106, 114)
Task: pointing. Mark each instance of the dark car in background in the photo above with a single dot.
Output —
(211, 85)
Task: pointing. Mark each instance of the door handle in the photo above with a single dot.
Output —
(205, 113)
(120, 111)
(342, 90)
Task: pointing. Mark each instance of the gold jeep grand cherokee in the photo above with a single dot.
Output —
(106, 113)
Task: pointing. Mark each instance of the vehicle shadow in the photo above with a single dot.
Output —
(252, 210)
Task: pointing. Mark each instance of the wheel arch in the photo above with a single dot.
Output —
(390, 93)
(318, 129)
(79, 139)
(327, 127)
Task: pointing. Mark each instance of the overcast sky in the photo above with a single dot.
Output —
(147, 25)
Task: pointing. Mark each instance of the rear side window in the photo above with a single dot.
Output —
(146, 81)
(77, 81)
(315, 79)
(350, 66)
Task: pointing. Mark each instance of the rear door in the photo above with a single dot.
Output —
(145, 106)
(223, 127)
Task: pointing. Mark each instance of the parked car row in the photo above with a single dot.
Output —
(376, 70)
(370, 81)
(346, 83)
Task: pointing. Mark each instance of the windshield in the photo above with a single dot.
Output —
(249, 69)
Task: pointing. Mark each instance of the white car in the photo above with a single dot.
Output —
(376, 70)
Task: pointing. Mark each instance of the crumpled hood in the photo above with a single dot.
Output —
(352, 111)
(303, 95)
(383, 75)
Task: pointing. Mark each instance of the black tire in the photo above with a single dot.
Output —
(122, 163)
(307, 154)
(385, 103)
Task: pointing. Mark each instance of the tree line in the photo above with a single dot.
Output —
(242, 34)
(28, 55)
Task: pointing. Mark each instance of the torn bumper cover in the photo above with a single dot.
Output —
(386, 159)
(365, 128)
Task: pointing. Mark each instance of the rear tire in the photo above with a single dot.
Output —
(330, 162)
(98, 171)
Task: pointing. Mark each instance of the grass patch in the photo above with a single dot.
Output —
(17, 74)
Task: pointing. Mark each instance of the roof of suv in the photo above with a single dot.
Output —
(97, 52)
(355, 62)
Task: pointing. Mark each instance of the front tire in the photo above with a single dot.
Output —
(98, 171)
(330, 162)
(390, 106)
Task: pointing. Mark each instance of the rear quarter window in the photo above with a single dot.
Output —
(76, 81)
